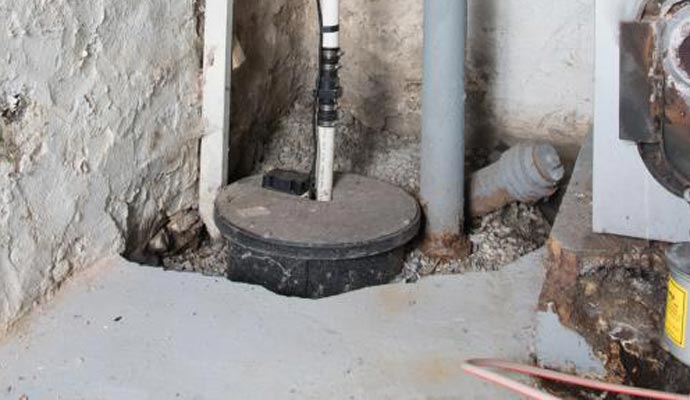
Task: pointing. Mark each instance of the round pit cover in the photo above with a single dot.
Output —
(365, 218)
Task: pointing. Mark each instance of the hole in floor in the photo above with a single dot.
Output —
(498, 239)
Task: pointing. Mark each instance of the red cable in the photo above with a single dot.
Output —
(478, 368)
(508, 383)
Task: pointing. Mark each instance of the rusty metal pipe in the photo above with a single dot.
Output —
(526, 173)
(443, 127)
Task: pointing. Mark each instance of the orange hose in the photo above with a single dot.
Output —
(479, 368)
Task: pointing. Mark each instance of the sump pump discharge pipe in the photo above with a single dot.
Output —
(443, 125)
(527, 173)
(327, 94)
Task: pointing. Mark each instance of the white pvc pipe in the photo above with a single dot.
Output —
(325, 163)
(325, 158)
(331, 18)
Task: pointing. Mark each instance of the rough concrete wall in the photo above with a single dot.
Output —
(382, 67)
(530, 65)
(535, 60)
(98, 135)
(276, 36)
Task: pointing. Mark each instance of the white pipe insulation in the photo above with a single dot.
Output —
(325, 158)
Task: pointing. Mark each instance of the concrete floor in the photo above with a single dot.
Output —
(122, 331)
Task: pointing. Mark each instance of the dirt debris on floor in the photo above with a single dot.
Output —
(497, 239)
(182, 244)
(619, 308)
(209, 259)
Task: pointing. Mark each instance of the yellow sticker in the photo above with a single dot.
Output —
(676, 313)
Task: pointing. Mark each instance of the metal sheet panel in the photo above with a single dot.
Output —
(628, 201)
(638, 121)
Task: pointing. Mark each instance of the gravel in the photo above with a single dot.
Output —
(361, 150)
(498, 239)
(210, 259)
(383, 154)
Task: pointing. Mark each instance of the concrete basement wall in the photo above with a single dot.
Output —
(99, 132)
(277, 37)
(530, 66)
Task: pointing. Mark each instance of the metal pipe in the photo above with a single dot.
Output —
(443, 124)
(527, 172)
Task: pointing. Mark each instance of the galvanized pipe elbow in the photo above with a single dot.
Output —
(528, 172)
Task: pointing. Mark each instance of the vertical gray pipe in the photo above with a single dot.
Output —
(443, 126)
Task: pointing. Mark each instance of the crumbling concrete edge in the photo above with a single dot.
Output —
(572, 253)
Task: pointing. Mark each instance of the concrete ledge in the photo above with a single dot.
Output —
(604, 299)
(573, 246)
